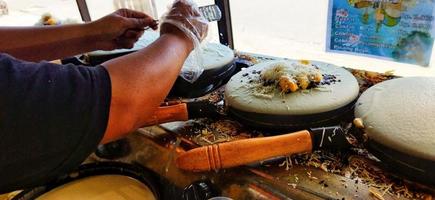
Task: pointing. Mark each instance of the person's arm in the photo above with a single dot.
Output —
(118, 30)
(141, 80)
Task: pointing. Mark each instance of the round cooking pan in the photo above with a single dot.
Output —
(399, 121)
(218, 62)
(103, 180)
(323, 106)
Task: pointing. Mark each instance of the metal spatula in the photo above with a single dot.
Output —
(211, 12)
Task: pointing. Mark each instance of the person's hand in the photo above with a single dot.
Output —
(184, 18)
(121, 29)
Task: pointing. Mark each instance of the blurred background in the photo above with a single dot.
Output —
(293, 29)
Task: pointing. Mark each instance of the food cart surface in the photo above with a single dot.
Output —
(325, 174)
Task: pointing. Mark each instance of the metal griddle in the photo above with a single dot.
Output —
(292, 122)
(408, 166)
(136, 172)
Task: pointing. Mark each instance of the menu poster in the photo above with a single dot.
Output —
(399, 30)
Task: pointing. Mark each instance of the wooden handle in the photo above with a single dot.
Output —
(241, 152)
(172, 113)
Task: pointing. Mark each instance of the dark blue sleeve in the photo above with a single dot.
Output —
(51, 118)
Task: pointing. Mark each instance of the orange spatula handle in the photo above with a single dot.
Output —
(177, 112)
(240, 152)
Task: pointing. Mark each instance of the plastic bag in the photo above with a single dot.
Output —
(185, 15)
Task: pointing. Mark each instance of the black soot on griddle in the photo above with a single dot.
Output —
(256, 72)
(268, 82)
(329, 79)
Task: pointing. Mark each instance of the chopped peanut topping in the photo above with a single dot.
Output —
(288, 84)
(303, 81)
(293, 77)
(305, 62)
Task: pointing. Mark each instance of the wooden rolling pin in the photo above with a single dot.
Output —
(245, 151)
(170, 113)
(179, 111)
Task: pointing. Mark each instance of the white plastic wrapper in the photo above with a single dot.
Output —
(185, 15)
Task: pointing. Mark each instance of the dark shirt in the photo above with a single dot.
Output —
(51, 118)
